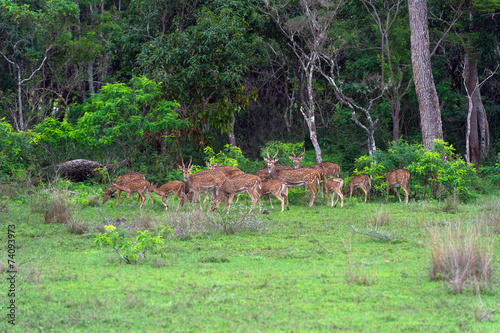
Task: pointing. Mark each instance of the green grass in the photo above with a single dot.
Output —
(306, 270)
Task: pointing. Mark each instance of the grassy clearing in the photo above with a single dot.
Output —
(302, 270)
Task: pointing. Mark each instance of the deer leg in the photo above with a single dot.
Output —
(118, 196)
(280, 198)
(341, 196)
(406, 194)
(285, 195)
(314, 191)
(143, 199)
(270, 202)
(179, 198)
(229, 201)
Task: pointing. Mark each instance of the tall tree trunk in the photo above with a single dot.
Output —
(309, 105)
(395, 114)
(473, 97)
(232, 137)
(90, 72)
(430, 114)
(484, 130)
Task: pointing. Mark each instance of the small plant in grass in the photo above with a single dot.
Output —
(450, 203)
(377, 233)
(381, 217)
(77, 226)
(461, 255)
(3, 204)
(355, 275)
(128, 250)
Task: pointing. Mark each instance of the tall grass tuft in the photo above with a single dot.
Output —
(77, 226)
(57, 210)
(461, 255)
(492, 217)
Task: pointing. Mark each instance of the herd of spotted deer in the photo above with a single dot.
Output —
(226, 181)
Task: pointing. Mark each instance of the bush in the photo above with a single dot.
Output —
(16, 152)
(452, 174)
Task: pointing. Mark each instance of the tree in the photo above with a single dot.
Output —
(27, 39)
(307, 34)
(430, 113)
(203, 67)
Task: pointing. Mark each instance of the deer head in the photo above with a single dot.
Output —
(186, 170)
(296, 159)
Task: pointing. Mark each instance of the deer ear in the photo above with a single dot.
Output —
(207, 163)
(180, 167)
(301, 158)
(276, 160)
(217, 164)
(291, 157)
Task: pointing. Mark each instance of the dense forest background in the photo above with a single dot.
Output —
(143, 84)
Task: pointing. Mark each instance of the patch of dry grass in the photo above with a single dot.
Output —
(461, 255)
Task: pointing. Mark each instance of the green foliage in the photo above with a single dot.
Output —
(454, 175)
(230, 155)
(128, 250)
(492, 172)
(121, 114)
(15, 151)
(283, 149)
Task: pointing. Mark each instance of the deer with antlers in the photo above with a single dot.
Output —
(121, 180)
(276, 188)
(174, 187)
(241, 183)
(362, 182)
(142, 187)
(295, 177)
(206, 180)
(400, 179)
(334, 186)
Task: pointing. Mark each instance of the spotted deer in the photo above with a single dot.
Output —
(295, 177)
(206, 180)
(121, 180)
(228, 170)
(264, 174)
(334, 186)
(241, 183)
(325, 169)
(174, 187)
(321, 170)
(360, 181)
(276, 188)
(398, 178)
(142, 187)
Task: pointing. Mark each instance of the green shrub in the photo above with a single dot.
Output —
(454, 175)
(16, 152)
(128, 250)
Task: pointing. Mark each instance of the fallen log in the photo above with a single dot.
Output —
(79, 170)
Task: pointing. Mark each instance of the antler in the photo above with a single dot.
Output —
(303, 152)
(276, 154)
(190, 160)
